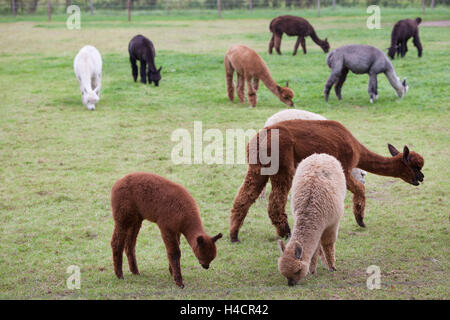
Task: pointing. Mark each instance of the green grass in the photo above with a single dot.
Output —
(59, 161)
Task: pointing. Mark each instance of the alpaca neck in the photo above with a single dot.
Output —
(374, 163)
(303, 231)
(268, 81)
(151, 63)
(316, 39)
(394, 81)
(192, 229)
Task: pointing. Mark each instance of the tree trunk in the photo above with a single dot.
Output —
(68, 3)
(91, 7)
(334, 4)
(251, 5)
(318, 7)
(49, 10)
(423, 6)
(33, 6)
(432, 4)
(167, 6)
(129, 10)
(218, 9)
(13, 7)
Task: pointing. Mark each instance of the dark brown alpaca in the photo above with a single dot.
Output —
(139, 196)
(294, 26)
(299, 139)
(402, 31)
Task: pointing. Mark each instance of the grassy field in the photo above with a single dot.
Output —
(59, 161)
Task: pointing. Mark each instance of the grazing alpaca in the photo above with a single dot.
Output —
(402, 31)
(298, 139)
(361, 59)
(249, 65)
(139, 196)
(318, 194)
(293, 114)
(142, 49)
(294, 26)
(88, 70)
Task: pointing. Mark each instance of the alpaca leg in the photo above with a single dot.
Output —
(134, 68)
(229, 79)
(335, 74)
(359, 198)
(246, 196)
(277, 42)
(418, 45)
(117, 245)
(372, 86)
(303, 43)
(251, 92)
(340, 83)
(262, 195)
(271, 43)
(130, 246)
(297, 43)
(313, 264)
(256, 84)
(240, 88)
(171, 241)
(281, 184)
(404, 49)
(143, 71)
(328, 239)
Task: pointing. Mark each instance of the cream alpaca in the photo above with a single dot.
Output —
(88, 69)
(318, 195)
(292, 114)
(250, 66)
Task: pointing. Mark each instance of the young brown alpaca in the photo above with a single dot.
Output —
(294, 26)
(402, 31)
(139, 196)
(250, 66)
(299, 139)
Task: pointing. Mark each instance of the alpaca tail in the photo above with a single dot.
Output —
(271, 25)
(229, 78)
(418, 20)
(329, 58)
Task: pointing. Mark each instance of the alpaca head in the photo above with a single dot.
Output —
(391, 52)
(286, 95)
(402, 88)
(206, 250)
(90, 98)
(154, 76)
(290, 264)
(325, 46)
(410, 165)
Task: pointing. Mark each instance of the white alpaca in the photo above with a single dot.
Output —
(88, 70)
(318, 194)
(294, 114)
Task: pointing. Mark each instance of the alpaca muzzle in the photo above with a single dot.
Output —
(205, 266)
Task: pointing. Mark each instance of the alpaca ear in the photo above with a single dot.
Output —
(200, 241)
(279, 89)
(97, 90)
(404, 82)
(159, 69)
(405, 154)
(298, 251)
(281, 245)
(393, 150)
(287, 84)
(217, 237)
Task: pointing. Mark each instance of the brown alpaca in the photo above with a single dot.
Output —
(139, 196)
(299, 139)
(294, 26)
(250, 66)
(318, 194)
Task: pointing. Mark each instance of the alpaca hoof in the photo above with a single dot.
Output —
(333, 269)
(360, 222)
(181, 286)
(234, 237)
(119, 276)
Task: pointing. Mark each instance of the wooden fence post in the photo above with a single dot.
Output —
(219, 14)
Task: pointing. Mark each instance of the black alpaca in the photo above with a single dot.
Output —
(142, 49)
(402, 31)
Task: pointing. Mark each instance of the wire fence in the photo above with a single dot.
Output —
(24, 7)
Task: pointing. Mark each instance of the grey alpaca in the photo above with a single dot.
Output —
(361, 59)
